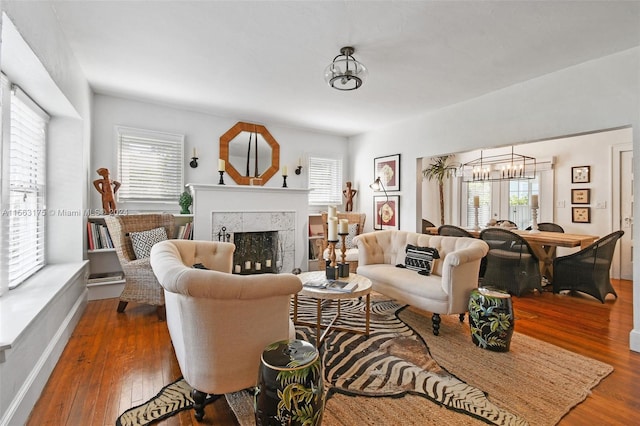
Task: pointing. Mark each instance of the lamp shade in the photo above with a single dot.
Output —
(345, 72)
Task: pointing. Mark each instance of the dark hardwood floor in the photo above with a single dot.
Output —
(116, 361)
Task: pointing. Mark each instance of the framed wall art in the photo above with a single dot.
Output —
(581, 174)
(580, 196)
(581, 214)
(388, 170)
(387, 213)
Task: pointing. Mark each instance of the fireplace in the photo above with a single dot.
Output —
(256, 252)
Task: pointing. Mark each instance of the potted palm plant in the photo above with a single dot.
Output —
(441, 168)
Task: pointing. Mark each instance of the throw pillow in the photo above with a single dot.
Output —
(420, 258)
(348, 241)
(143, 241)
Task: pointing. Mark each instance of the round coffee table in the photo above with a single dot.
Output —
(363, 288)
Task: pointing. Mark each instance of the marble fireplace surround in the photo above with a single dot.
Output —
(254, 209)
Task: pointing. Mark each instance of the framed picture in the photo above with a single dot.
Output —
(581, 174)
(388, 170)
(580, 196)
(581, 214)
(387, 213)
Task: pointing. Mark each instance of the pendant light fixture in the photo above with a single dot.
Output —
(345, 72)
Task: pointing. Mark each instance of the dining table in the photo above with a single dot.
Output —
(543, 244)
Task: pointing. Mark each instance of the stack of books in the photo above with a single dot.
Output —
(99, 237)
(185, 232)
(334, 285)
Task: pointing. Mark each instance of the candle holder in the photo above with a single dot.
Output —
(534, 218)
(221, 181)
(476, 225)
(284, 181)
(331, 270)
(194, 162)
(343, 266)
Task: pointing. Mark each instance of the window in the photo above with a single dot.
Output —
(325, 180)
(482, 190)
(150, 165)
(520, 192)
(25, 207)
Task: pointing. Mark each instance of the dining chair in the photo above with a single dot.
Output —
(548, 227)
(510, 223)
(587, 270)
(453, 231)
(511, 263)
(426, 224)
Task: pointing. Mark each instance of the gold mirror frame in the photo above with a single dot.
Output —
(230, 134)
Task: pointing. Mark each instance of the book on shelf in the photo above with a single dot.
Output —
(105, 277)
(334, 285)
(98, 236)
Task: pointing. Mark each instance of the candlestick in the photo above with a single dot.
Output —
(476, 225)
(284, 181)
(331, 271)
(534, 218)
(343, 267)
(221, 181)
(221, 165)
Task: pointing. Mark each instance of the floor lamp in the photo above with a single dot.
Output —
(376, 186)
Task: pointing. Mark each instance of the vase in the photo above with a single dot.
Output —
(289, 390)
(491, 319)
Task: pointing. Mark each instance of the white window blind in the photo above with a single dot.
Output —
(27, 187)
(325, 181)
(483, 191)
(150, 165)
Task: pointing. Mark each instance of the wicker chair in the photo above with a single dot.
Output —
(351, 253)
(511, 264)
(507, 221)
(141, 285)
(453, 231)
(548, 227)
(587, 271)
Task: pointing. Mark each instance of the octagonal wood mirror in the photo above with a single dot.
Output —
(250, 152)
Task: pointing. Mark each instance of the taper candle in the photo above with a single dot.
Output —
(195, 154)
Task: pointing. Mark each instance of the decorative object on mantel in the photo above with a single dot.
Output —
(345, 72)
(107, 188)
(499, 167)
(534, 214)
(284, 176)
(194, 159)
(221, 171)
(185, 202)
(299, 167)
(349, 194)
(260, 158)
(441, 168)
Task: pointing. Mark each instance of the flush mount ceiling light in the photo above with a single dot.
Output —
(345, 72)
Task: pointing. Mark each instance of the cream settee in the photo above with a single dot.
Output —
(446, 291)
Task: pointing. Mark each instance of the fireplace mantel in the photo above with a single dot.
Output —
(210, 198)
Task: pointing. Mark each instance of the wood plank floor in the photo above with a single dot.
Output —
(116, 361)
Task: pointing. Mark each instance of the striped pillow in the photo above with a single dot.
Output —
(420, 258)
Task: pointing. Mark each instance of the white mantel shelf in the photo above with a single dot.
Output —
(210, 198)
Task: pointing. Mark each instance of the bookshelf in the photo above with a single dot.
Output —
(316, 236)
(106, 279)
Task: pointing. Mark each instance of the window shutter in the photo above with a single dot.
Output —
(150, 165)
(325, 181)
(483, 191)
(27, 178)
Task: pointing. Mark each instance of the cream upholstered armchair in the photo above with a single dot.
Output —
(141, 285)
(219, 322)
(356, 226)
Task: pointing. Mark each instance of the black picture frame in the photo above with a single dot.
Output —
(388, 170)
(386, 213)
(581, 196)
(581, 214)
(581, 174)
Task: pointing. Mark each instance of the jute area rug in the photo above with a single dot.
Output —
(535, 381)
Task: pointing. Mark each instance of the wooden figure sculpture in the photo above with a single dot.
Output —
(349, 193)
(104, 187)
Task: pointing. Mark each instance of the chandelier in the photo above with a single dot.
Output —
(345, 72)
(499, 167)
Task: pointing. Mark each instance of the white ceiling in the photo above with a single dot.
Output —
(264, 61)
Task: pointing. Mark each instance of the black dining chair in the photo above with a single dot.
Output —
(510, 223)
(426, 224)
(587, 270)
(511, 263)
(548, 227)
(453, 231)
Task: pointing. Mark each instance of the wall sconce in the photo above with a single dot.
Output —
(299, 167)
(194, 160)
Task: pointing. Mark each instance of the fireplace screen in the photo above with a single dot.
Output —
(256, 252)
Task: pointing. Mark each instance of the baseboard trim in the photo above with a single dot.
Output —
(634, 340)
(25, 398)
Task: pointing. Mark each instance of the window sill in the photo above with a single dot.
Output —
(20, 307)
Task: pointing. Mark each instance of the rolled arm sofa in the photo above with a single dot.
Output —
(446, 291)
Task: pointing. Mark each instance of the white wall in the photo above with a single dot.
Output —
(25, 366)
(203, 132)
(599, 94)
